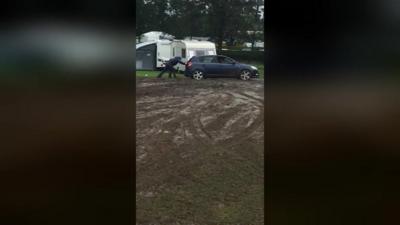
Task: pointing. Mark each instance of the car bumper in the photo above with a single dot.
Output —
(255, 74)
(188, 73)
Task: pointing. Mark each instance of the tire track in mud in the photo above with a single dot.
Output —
(192, 138)
(190, 115)
(252, 113)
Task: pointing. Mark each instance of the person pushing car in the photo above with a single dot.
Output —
(169, 66)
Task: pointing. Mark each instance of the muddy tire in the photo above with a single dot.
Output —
(198, 75)
(245, 75)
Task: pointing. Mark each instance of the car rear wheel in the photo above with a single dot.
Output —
(245, 75)
(198, 75)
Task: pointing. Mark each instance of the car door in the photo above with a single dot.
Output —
(227, 67)
(210, 65)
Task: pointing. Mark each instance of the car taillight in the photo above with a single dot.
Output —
(189, 64)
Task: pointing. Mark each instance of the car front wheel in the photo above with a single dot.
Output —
(245, 75)
(198, 75)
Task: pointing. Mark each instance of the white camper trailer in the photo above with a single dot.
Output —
(155, 35)
(189, 48)
(151, 55)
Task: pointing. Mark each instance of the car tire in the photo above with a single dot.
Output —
(198, 75)
(245, 75)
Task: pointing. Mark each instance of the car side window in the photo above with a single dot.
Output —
(207, 59)
(225, 60)
(228, 60)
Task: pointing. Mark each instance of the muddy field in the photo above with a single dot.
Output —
(65, 157)
(199, 151)
(332, 153)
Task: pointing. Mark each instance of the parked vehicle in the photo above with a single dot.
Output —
(200, 67)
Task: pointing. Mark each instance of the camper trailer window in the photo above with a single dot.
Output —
(200, 53)
(173, 52)
(183, 53)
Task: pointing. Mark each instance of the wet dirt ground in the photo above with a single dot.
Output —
(199, 151)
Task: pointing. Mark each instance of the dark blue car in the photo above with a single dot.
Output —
(199, 67)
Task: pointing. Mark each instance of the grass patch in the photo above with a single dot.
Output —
(154, 74)
(223, 186)
(261, 69)
(147, 73)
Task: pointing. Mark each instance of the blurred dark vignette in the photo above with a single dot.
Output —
(67, 112)
(333, 113)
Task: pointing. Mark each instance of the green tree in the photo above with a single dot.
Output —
(221, 20)
(150, 15)
(232, 19)
(187, 18)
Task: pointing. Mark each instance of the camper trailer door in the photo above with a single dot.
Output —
(164, 53)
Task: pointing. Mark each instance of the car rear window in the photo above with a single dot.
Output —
(194, 59)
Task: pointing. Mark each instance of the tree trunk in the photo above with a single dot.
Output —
(220, 35)
(221, 32)
(253, 40)
(231, 41)
(219, 42)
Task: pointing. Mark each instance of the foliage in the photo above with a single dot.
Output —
(232, 21)
(256, 56)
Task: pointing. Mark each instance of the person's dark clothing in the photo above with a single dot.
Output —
(169, 67)
(175, 61)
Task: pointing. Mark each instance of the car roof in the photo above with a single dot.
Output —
(202, 56)
(211, 55)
